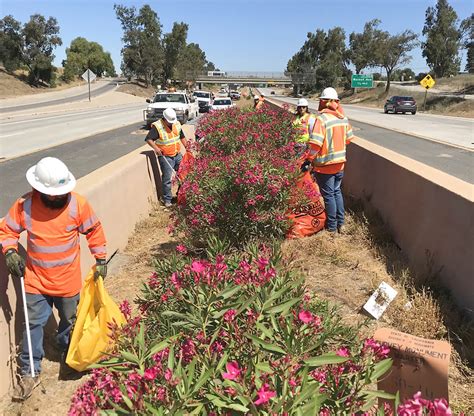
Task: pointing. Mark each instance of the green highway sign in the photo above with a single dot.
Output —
(362, 81)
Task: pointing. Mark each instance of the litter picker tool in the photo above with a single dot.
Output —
(27, 324)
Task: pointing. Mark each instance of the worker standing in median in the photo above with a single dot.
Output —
(165, 138)
(327, 154)
(53, 217)
(257, 102)
(304, 123)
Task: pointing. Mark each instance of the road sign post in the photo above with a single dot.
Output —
(427, 82)
(362, 81)
(89, 76)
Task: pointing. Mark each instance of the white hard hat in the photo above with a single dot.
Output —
(170, 115)
(256, 97)
(302, 102)
(329, 94)
(50, 176)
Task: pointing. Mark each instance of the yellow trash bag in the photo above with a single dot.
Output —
(90, 337)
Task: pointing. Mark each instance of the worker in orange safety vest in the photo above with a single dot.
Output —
(53, 217)
(257, 102)
(165, 138)
(327, 155)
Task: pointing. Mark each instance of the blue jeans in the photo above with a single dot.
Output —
(330, 186)
(39, 309)
(167, 172)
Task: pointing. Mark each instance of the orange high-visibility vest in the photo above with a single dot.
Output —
(53, 250)
(328, 140)
(168, 139)
(303, 125)
(259, 105)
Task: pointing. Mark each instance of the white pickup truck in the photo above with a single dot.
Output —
(186, 107)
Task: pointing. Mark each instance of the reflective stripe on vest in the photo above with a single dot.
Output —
(47, 264)
(13, 225)
(9, 242)
(98, 250)
(27, 212)
(329, 153)
(52, 249)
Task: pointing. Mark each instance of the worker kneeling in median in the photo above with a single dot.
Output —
(327, 154)
(165, 138)
(257, 102)
(53, 217)
(304, 123)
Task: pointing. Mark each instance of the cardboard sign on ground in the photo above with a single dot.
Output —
(418, 365)
(380, 299)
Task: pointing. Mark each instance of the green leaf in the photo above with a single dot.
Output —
(325, 359)
(171, 358)
(161, 346)
(282, 308)
(380, 369)
(266, 331)
(238, 407)
(379, 393)
(132, 358)
(227, 293)
(202, 379)
(265, 367)
(265, 345)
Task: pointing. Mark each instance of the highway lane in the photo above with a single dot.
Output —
(30, 133)
(10, 105)
(81, 156)
(457, 131)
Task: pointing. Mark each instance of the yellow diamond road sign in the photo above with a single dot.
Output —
(428, 82)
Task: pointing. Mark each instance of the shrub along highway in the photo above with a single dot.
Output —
(87, 138)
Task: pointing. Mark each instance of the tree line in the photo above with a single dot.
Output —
(325, 59)
(148, 54)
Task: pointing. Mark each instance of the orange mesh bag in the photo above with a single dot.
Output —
(310, 218)
(185, 166)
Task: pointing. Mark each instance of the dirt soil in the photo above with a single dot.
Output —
(15, 85)
(136, 89)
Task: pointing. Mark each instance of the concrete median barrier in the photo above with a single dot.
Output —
(429, 213)
(121, 193)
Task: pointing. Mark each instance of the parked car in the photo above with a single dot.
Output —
(221, 103)
(272, 92)
(204, 100)
(400, 104)
(234, 95)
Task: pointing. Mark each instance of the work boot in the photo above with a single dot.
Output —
(25, 388)
(342, 229)
(66, 372)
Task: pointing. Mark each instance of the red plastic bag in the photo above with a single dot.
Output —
(185, 166)
(307, 219)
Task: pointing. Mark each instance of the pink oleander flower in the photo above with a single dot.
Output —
(305, 316)
(229, 316)
(198, 267)
(264, 395)
(343, 352)
(168, 374)
(233, 371)
(181, 249)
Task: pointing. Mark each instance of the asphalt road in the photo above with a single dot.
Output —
(102, 89)
(30, 133)
(81, 157)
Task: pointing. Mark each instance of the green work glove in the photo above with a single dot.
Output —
(15, 263)
(100, 268)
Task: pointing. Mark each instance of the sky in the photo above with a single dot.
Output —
(237, 35)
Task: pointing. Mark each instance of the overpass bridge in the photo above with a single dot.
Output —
(253, 79)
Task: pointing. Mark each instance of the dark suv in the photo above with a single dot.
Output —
(400, 104)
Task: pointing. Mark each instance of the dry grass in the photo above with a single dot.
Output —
(15, 85)
(136, 89)
(346, 270)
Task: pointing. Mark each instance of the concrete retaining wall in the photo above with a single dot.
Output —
(121, 194)
(430, 213)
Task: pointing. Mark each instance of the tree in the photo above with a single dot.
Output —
(82, 55)
(321, 61)
(173, 42)
(191, 60)
(11, 43)
(443, 37)
(392, 51)
(467, 29)
(406, 74)
(31, 45)
(142, 53)
(363, 45)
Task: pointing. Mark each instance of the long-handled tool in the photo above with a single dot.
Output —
(27, 324)
(174, 174)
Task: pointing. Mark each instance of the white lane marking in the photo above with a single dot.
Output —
(10, 135)
(445, 155)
